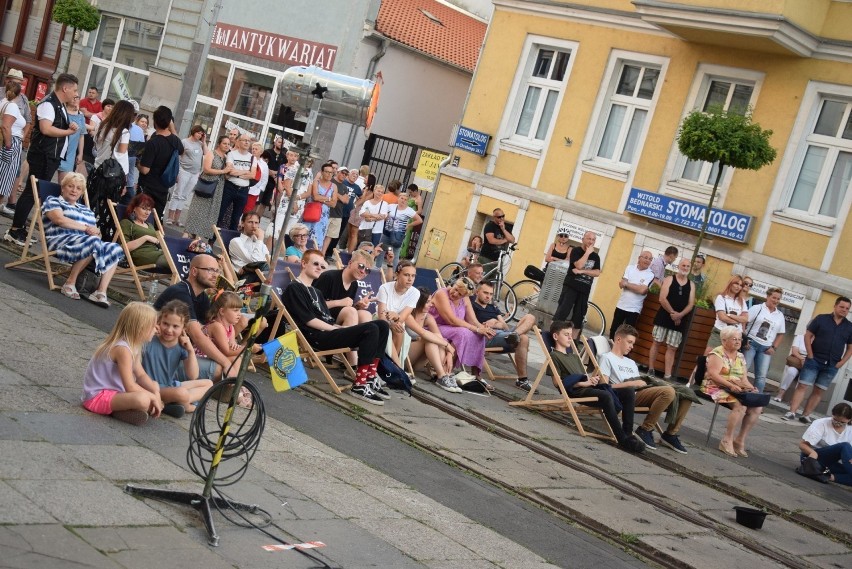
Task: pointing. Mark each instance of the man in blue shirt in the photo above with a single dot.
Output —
(828, 342)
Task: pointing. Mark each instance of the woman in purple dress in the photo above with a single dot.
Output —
(458, 324)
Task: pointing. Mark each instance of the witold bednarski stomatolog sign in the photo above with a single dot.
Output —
(274, 47)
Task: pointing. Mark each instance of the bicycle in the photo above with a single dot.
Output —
(504, 294)
(527, 293)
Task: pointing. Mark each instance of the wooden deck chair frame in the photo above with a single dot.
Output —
(338, 260)
(226, 255)
(53, 268)
(313, 357)
(132, 269)
(563, 402)
(594, 361)
(487, 368)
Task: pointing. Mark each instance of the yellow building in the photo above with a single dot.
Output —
(582, 100)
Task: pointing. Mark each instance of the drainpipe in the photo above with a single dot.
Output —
(428, 209)
(353, 130)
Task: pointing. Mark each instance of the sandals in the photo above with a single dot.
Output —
(70, 291)
(99, 298)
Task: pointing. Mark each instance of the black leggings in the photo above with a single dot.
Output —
(370, 339)
(627, 396)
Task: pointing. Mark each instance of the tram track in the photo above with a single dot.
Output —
(591, 525)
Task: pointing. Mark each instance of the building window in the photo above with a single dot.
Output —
(629, 102)
(822, 180)
(125, 49)
(538, 91)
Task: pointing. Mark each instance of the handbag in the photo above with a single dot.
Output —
(812, 468)
(795, 362)
(752, 399)
(205, 188)
(312, 212)
(365, 235)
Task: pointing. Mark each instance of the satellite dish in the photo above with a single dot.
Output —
(344, 98)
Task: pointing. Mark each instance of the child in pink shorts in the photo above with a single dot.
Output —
(115, 383)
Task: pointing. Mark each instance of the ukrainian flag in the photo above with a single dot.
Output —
(285, 364)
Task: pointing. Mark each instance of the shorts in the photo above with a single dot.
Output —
(499, 340)
(101, 403)
(670, 337)
(206, 370)
(334, 225)
(816, 372)
(715, 339)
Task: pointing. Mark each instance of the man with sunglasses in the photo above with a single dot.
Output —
(339, 287)
(497, 237)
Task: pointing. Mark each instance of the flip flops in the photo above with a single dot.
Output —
(70, 291)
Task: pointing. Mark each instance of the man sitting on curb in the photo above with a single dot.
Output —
(511, 339)
(622, 373)
(578, 384)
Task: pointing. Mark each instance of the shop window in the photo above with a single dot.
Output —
(251, 94)
(124, 51)
(536, 100)
(214, 78)
(9, 24)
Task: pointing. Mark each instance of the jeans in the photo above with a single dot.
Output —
(380, 261)
(757, 354)
(837, 459)
(236, 196)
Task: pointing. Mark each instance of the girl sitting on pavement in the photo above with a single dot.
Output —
(115, 382)
(170, 359)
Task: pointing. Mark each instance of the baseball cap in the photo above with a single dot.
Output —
(15, 74)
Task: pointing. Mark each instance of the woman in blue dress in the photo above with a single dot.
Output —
(74, 155)
(73, 235)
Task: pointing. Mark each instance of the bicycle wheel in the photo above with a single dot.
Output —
(595, 322)
(526, 293)
(451, 272)
(507, 302)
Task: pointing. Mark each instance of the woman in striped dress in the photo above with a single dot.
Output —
(12, 125)
(71, 232)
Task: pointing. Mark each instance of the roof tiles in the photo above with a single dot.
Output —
(455, 37)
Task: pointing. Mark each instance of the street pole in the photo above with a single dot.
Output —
(186, 121)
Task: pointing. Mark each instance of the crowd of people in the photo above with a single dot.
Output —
(162, 359)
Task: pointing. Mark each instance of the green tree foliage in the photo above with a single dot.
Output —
(78, 14)
(729, 138)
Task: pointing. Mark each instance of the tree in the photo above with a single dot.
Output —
(727, 137)
(78, 14)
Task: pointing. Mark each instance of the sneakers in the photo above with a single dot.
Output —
(16, 236)
(175, 410)
(132, 417)
(789, 416)
(7, 211)
(448, 383)
(523, 384)
(806, 419)
(673, 442)
(365, 393)
(632, 444)
(647, 437)
(512, 340)
(378, 388)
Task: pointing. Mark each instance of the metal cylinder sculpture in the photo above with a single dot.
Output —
(347, 99)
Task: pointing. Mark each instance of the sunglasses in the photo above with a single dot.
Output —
(499, 216)
(363, 267)
(468, 284)
(562, 235)
(323, 266)
(748, 284)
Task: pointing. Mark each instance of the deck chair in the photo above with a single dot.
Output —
(429, 279)
(223, 241)
(561, 402)
(490, 372)
(341, 258)
(137, 273)
(281, 279)
(177, 256)
(370, 287)
(600, 345)
(52, 268)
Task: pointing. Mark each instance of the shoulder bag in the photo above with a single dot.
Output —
(394, 235)
(313, 210)
(205, 188)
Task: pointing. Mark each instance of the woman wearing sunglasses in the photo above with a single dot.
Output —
(457, 322)
(829, 440)
(308, 308)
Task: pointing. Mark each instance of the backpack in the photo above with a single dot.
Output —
(393, 375)
(105, 183)
(170, 174)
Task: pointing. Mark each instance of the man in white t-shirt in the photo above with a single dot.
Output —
(829, 440)
(235, 192)
(634, 288)
(623, 374)
(396, 301)
(765, 331)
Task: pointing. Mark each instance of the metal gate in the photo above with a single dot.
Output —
(391, 159)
